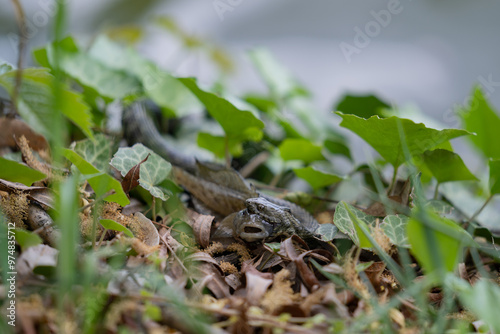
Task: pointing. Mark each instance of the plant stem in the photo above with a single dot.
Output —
(481, 209)
(226, 151)
(436, 191)
(21, 20)
(393, 182)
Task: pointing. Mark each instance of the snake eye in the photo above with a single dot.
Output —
(260, 207)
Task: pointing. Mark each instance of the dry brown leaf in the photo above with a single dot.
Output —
(257, 284)
(306, 274)
(131, 179)
(39, 255)
(40, 195)
(11, 128)
(202, 225)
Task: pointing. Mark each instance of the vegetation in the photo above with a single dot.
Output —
(416, 253)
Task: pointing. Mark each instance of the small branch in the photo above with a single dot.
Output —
(255, 162)
(479, 211)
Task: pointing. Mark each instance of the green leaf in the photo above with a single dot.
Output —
(327, 231)
(494, 177)
(36, 103)
(217, 145)
(16, 172)
(89, 72)
(448, 237)
(300, 149)
(102, 183)
(480, 118)
(317, 179)
(114, 226)
(483, 300)
(153, 172)
(383, 136)
(394, 226)
(338, 147)
(447, 166)
(96, 151)
(237, 124)
(347, 218)
(364, 106)
(159, 85)
(27, 239)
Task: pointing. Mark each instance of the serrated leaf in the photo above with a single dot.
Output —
(102, 183)
(15, 172)
(316, 178)
(343, 220)
(36, 103)
(164, 89)
(300, 149)
(481, 118)
(153, 172)
(96, 151)
(27, 239)
(114, 226)
(327, 231)
(394, 226)
(494, 177)
(237, 124)
(383, 136)
(217, 145)
(448, 237)
(447, 166)
(364, 106)
(89, 72)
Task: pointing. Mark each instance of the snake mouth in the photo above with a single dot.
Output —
(252, 229)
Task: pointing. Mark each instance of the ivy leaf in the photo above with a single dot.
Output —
(15, 172)
(327, 231)
(494, 177)
(300, 149)
(394, 226)
(447, 166)
(480, 118)
(449, 239)
(36, 103)
(102, 183)
(383, 136)
(114, 226)
(343, 220)
(89, 72)
(217, 145)
(364, 106)
(237, 124)
(317, 179)
(96, 151)
(164, 89)
(153, 172)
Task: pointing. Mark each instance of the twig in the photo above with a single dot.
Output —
(255, 162)
(479, 211)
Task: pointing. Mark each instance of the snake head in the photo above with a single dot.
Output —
(251, 227)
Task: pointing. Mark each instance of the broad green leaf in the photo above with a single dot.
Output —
(15, 172)
(343, 220)
(481, 118)
(114, 226)
(153, 172)
(317, 179)
(27, 239)
(102, 183)
(217, 145)
(447, 166)
(494, 177)
(449, 238)
(164, 89)
(483, 300)
(338, 147)
(394, 226)
(300, 149)
(96, 151)
(279, 80)
(327, 231)
(364, 106)
(383, 136)
(108, 82)
(237, 124)
(36, 103)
